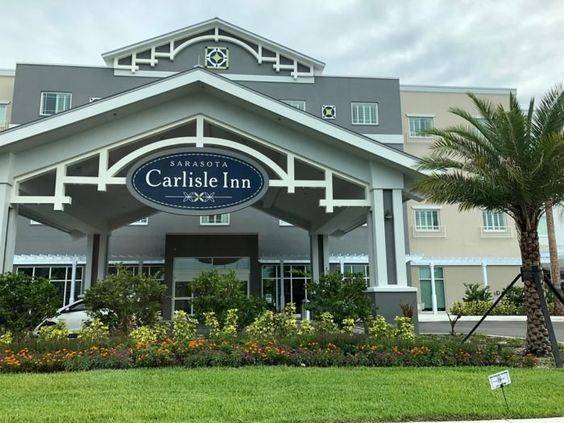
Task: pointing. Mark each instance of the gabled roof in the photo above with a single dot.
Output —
(405, 162)
(167, 45)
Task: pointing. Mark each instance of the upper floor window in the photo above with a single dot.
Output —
(52, 103)
(419, 124)
(215, 220)
(298, 104)
(542, 228)
(494, 221)
(364, 113)
(427, 220)
(3, 115)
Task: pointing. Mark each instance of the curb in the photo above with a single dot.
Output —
(423, 318)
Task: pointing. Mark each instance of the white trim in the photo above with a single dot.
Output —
(216, 24)
(423, 206)
(455, 89)
(141, 222)
(5, 102)
(399, 236)
(422, 115)
(389, 154)
(391, 288)
(7, 72)
(386, 138)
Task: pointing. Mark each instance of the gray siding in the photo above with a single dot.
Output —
(85, 82)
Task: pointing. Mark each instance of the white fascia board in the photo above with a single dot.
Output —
(223, 84)
(206, 25)
(386, 138)
(461, 90)
(7, 72)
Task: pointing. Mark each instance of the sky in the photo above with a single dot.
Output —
(487, 43)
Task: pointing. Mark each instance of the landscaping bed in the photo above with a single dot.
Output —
(279, 394)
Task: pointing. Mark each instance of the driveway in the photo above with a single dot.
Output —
(500, 328)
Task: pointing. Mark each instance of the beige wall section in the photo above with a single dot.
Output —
(456, 276)
(6, 94)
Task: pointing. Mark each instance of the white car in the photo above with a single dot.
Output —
(73, 315)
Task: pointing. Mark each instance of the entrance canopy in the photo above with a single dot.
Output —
(69, 170)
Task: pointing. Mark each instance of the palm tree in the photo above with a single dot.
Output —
(507, 160)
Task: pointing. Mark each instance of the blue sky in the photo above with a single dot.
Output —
(501, 43)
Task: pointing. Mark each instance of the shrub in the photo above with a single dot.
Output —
(217, 293)
(476, 292)
(124, 301)
(25, 302)
(349, 326)
(184, 327)
(56, 333)
(325, 323)
(341, 295)
(478, 308)
(6, 339)
(405, 330)
(263, 326)
(94, 331)
(285, 322)
(378, 327)
(210, 320)
(149, 334)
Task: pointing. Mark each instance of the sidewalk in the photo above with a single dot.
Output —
(545, 420)
(441, 316)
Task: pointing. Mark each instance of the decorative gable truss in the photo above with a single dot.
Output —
(170, 49)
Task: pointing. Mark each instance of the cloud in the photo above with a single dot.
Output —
(503, 43)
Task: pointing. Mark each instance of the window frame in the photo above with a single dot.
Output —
(4, 118)
(208, 223)
(493, 227)
(42, 100)
(419, 116)
(426, 210)
(365, 103)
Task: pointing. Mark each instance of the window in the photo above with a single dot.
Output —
(52, 103)
(284, 223)
(3, 115)
(140, 222)
(298, 104)
(427, 290)
(215, 220)
(270, 278)
(352, 268)
(60, 276)
(427, 220)
(494, 221)
(364, 113)
(419, 124)
(542, 229)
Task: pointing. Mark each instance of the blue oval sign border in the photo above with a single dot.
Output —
(171, 208)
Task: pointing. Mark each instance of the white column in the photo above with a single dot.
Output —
(399, 237)
(5, 193)
(433, 288)
(72, 295)
(377, 240)
(485, 272)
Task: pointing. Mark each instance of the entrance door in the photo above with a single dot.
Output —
(186, 269)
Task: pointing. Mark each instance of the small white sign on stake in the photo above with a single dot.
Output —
(499, 380)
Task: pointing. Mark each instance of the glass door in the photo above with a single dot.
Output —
(186, 269)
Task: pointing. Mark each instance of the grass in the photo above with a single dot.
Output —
(278, 394)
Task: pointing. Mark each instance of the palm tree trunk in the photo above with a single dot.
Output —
(553, 251)
(538, 342)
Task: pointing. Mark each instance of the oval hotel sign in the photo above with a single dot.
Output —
(197, 181)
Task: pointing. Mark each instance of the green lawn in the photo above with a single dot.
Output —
(278, 394)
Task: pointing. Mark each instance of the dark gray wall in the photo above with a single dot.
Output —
(85, 82)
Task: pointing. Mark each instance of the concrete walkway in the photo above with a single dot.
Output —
(546, 420)
(442, 317)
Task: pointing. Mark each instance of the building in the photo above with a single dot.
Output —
(339, 153)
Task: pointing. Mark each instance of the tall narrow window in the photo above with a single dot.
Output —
(215, 220)
(52, 102)
(419, 124)
(494, 221)
(298, 104)
(364, 113)
(542, 228)
(3, 116)
(427, 220)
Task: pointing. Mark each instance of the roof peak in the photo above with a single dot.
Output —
(167, 46)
